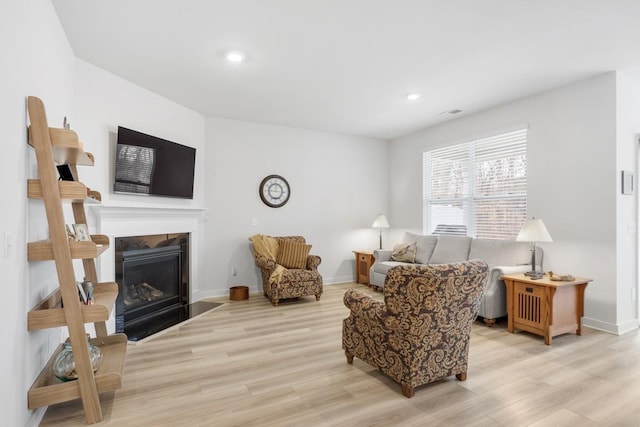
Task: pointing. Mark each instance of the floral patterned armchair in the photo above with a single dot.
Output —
(420, 333)
(281, 277)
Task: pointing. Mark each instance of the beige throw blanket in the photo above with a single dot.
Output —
(267, 247)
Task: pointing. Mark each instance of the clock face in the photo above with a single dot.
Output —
(274, 191)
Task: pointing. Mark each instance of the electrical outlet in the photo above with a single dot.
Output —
(234, 271)
(633, 294)
(254, 222)
(9, 243)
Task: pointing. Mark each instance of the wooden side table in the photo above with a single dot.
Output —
(364, 261)
(545, 307)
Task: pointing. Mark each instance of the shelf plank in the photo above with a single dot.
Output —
(70, 191)
(50, 314)
(43, 250)
(93, 196)
(49, 390)
(67, 149)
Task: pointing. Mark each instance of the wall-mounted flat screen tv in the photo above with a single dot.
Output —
(153, 166)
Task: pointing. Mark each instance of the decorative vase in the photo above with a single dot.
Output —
(64, 366)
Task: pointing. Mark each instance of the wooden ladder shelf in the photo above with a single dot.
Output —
(61, 146)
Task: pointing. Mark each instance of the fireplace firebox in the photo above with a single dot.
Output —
(153, 283)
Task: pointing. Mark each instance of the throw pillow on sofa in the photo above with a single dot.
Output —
(292, 254)
(404, 252)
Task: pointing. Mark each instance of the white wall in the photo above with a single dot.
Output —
(628, 131)
(35, 60)
(338, 185)
(573, 181)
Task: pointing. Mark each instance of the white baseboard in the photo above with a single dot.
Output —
(612, 328)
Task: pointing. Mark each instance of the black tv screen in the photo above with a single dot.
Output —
(150, 165)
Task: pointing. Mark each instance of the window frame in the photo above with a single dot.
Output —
(515, 142)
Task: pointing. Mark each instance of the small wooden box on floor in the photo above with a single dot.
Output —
(237, 293)
(545, 307)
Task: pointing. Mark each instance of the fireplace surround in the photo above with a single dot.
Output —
(118, 220)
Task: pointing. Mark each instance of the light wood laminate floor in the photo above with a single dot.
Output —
(251, 364)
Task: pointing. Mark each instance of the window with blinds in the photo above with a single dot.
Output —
(480, 185)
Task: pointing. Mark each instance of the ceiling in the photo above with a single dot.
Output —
(346, 66)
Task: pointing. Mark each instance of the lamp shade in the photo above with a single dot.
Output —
(381, 222)
(534, 230)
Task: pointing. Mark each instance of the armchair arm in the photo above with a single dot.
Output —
(382, 254)
(265, 263)
(313, 261)
(372, 311)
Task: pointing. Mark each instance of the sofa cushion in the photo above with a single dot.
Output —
(424, 246)
(450, 249)
(500, 252)
(404, 252)
(292, 254)
(383, 267)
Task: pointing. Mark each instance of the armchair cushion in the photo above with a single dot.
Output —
(292, 254)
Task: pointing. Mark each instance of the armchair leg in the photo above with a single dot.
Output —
(318, 297)
(462, 376)
(408, 391)
(349, 357)
(275, 301)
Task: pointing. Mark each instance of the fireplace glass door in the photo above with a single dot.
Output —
(149, 283)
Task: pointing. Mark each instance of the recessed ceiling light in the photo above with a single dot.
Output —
(236, 56)
(413, 96)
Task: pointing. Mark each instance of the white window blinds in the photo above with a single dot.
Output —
(481, 185)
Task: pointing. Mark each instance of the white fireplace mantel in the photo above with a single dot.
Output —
(129, 212)
(121, 220)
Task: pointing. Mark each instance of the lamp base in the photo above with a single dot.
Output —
(534, 275)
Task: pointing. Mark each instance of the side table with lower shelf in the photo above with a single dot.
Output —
(364, 261)
(543, 306)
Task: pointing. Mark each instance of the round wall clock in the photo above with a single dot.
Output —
(274, 191)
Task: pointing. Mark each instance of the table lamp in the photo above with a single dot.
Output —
(533, 231)
(380, 222)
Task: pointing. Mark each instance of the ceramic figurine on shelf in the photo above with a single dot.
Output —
(88, 289)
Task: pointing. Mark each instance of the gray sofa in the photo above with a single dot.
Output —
(502, 256)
